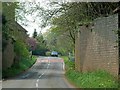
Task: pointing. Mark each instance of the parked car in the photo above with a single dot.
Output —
(54, 53)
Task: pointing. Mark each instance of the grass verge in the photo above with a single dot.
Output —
(95, 79)
(23, 65)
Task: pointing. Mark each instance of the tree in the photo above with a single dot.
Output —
(41, 47)
(8, 16)
(58, 41)
(32, 43)
(34, 33)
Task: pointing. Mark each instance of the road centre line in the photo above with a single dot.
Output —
(36, 84)
(48, 65)
(42, 75)
(37, 80)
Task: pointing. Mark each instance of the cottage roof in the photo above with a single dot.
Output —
(20, 27)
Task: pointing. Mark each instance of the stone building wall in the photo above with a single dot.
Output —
(96, 46)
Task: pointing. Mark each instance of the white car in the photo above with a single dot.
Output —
(54, 53)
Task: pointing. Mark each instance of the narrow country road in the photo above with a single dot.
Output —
(47, 72)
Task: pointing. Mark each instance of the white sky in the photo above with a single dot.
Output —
(34, 25)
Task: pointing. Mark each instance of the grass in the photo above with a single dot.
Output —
(95, 79)
(17, 69)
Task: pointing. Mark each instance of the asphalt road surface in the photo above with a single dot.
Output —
(47, 72)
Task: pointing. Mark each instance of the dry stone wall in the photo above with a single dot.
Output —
(96, 46)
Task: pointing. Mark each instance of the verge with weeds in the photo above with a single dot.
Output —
(17, 69)
(95, 79)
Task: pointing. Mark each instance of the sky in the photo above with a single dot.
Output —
(34, 25)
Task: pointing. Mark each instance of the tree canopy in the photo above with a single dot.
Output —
(65, 17)
(34, 33)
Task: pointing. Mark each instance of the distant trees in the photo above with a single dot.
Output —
(37, 44)
(21, 51)
(58, 42)
(32, 43)
(34, 33)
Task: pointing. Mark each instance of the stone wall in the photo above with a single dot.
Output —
(96, 46)
(8, 55)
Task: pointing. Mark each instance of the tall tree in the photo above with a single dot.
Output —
(41, 47)
(8, 17)
(34, 33)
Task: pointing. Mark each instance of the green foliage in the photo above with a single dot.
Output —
(72, 14)
(21, 49)
(8, 16)
(59, 41)
(35, 34)
(65, 25)
(23, 65)
(68, 64)
(40, 38)
(40, 51)
(8, 9)
(95, 79)
(41, 46)
(48, 53)
(4, 21)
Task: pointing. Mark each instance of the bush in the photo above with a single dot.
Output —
(40, 50)
(23, 65)
(21, 49)
(68, 64)
(48, 53)
(95, 79)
